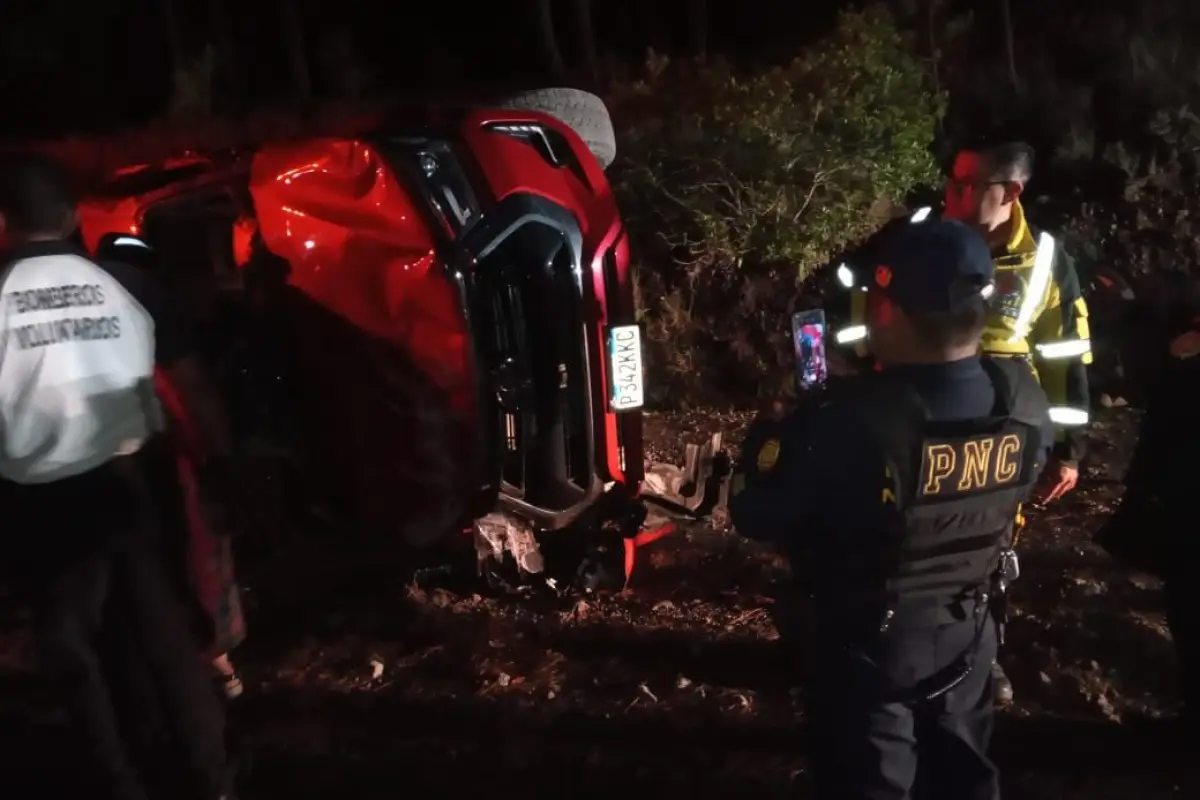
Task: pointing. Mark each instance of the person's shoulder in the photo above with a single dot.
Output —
(28, 270)
(1065, 274)
(1023, 393)
(1012, 372)
(863, 408)
(156, 298)
(1036, 225)
(839, 402)
(1036, 233)
(1055, 237)
(865, 392)
(121, 271)
(134, 278)
(9, 266)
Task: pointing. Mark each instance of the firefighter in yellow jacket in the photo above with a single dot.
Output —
(1038, 313)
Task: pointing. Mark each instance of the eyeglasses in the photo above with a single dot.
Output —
(960, 186)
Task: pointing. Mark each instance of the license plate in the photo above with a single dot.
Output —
(625, 359)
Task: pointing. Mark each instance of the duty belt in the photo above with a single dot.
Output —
(975, 607)
(993, 599)
(919, 614)
(916, 615)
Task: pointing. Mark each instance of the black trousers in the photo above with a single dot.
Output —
(867, 747)
(1183, 618)
(89, 563)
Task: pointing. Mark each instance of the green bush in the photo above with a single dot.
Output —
(736, 186)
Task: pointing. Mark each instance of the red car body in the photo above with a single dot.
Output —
(489, 259)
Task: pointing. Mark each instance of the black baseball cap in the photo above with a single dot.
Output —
(127, 249)
(933, 266)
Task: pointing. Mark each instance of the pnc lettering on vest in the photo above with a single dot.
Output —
(978, 463)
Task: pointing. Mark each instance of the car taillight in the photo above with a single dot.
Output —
(533, 135)
(551, 145)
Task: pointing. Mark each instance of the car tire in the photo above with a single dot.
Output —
(583, 112)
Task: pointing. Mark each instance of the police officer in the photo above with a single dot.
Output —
(78, 419)
(903, 488)
(1038, 316)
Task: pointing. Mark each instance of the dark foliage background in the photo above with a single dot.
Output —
(756, 138)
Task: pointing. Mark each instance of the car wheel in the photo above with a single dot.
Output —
(583, 112)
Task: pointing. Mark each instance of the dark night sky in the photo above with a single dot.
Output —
(67, 66)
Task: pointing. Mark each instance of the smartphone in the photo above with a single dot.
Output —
(808, 342)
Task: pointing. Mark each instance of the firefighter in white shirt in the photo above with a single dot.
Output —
(78, 419)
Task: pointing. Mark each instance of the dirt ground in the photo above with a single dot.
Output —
(366, 684)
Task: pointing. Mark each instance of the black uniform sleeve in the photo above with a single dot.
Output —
(780, 483)
(765, 504)
(174, 337)
(1169, 433)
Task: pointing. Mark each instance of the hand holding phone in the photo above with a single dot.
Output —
(808, 342)
(774, 409)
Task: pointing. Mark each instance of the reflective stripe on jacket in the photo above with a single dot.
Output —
(1037, 312)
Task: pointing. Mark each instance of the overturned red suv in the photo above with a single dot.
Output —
(447, 309)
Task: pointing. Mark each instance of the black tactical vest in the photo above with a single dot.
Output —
(953, 489)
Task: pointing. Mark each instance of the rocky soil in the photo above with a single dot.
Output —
(366, 683)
